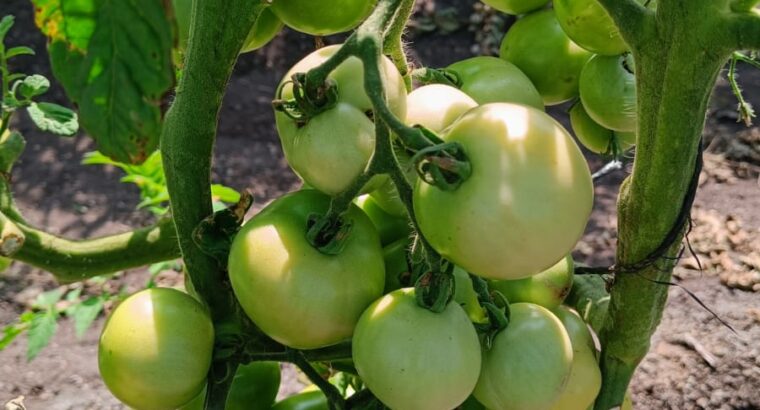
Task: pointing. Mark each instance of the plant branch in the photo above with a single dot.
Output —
(630, 17)
(744, 30)
(394, 42)
(334, 398)
(72, 260)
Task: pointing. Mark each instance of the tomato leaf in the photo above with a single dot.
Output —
(19, 51)
(113, 58)
(54, 118)
(41, 331)
(10, 332)
(33, 86)
(48, 299)
(225, 194)
(5, 25)
(85, 313)
(11, 147)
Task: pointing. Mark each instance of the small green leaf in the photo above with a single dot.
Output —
(12, 145)
(54, 118)
(33, 86)
(48, 299)
(5, 25)
(85, 313)
(19, 51)
(42, 329)
(10, 332)
(225, 193)
(4, 262)
(14, 77)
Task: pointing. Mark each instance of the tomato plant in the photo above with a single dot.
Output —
(155, 349)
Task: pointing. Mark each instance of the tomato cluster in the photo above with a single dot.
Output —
(511, 224)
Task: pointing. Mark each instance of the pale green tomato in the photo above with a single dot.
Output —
(589, 25)
(548, 288)
(396, 266)
(155, 349)
(323, 17)
(596, 138)
(516, 6)
(437, 106)
(390, 228)
(585, 377)
(465, 296)
(401, 349)
(491, 79)
(537, 45)
(526, 203)
(608, 92)
(295, 294)
(263, 31)
(333, 148)
(529, 363)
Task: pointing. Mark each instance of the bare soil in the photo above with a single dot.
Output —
(694, 362)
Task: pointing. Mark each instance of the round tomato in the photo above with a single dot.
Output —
(412, 358)
(608, 92)
(585, 377)
(516, 6)
(529, 363)
(254, 387)
(263, 31)
(388, 226)
(491, 79)
(334, 147)
(537, 45)
(587, 23)
(596, 138)
(526, 203)
(155, 349)
(310, 400)
(548, 288)
(295, 294)
(324, 17)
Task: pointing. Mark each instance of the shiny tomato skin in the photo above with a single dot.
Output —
(608, 92)
(588, 25)
(155, 349)
(263, 31)
(295, 294)
(528, 364)
(524, 206)
(324, 17)
(537, 45)
(596, 138)
(547, 288)
(333, 148)
(491, 79)
(585, 377)
(516, 6)
(389, 227)
(401, 349)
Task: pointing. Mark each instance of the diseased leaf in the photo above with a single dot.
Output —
(85, 313)
(42, 329)
(33, 86)
(54, 118)
(113, 58)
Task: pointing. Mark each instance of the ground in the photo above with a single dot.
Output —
(694, 363)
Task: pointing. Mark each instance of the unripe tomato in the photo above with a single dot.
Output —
(526, 203)
(465, 296)
(412, 358)
(396, 265)
(585, 377)
(548, 288)
(323, 17)
(263, 31)
(389, 227)
(596, 138)
(587, 23)
(491, 79)
(310, 400)
(434, 107)
(155, 349)
(608, 92)
(471, 404)
(254, 387)
(295, 294)
(537, 45)
(516, 6)
(333, 148)
(529, 363)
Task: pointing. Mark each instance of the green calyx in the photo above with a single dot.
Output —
(308, 101)
(444, 165)
(328, 235)
(434, 290)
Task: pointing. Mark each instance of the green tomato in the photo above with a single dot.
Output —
(412, 358)
(310, 400)
(331, 150)
(254, 387)
(386, 196)
(537, 45)
(491, 79)
(263, 31)
(516, 6)
(608, 92)
(471, 404)
(596, 138)
(526, 203)
(396, 266)
(465, 296)
(390, 228)
(548, 288)
(324, 17)
(529, 362)
(587, 23)
(585, 377)
(155, 349)
(297, 295)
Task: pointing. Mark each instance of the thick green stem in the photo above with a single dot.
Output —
(394, 42)
(676, 69)
(218, 30)
(72, 261)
